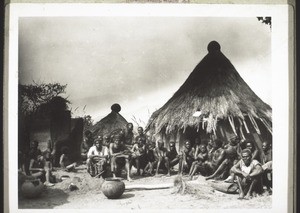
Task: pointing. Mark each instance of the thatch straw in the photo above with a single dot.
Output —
(217, 90)
(109, 123)
(195, 188)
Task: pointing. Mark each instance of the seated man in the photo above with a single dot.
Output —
(215, 156)
(161, 158)
(199, 160)
(150, 158)
(229, 157)
(39, 169)
(173, 154)
(187, 157)
(97, 159)
(267, 166)
(248, 175)
(138, 157)
(120, 157)
(34, 150)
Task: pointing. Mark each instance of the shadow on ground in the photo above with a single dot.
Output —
(127, 195)
(49, 199)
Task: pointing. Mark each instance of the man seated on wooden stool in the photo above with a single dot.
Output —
(248, 175)
(97, 159)
(120, 157)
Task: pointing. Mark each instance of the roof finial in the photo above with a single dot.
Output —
(116, 108)
(213, 46)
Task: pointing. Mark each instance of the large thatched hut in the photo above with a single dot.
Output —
(114, 120)
(214, 100)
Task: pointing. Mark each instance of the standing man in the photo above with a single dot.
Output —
(129, 135)
(248, 175)
(140, 134)
(97, 158)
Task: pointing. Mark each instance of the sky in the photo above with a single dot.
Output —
(137, 62)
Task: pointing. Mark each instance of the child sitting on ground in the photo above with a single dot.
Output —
(65, 161)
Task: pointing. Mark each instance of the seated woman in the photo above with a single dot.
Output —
(120, 157)
(39, 169)
(199, 160)
(65, 160)
(138, 157)
(97, 159)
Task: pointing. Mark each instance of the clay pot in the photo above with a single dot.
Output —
(32, 188)
(113, 188)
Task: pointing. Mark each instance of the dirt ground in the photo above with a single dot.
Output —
(89, 195)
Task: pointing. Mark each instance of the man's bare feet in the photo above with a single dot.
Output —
(48, 184)
(242, 195)
(248, 197)
(168, 175)
(129, 179)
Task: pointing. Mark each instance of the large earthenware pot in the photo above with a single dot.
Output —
(113, 188)
(32, 188)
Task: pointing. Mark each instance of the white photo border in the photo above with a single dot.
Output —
(281, 82)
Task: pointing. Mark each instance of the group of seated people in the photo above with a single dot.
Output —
(39, 165)
(236, 161)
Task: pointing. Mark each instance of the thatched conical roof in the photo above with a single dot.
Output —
(109, 123)
(217, 90)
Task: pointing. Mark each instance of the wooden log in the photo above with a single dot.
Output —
(149, 187)
(222, 186)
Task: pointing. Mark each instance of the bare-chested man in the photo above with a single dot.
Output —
(138, 157)
(40, 169)
(229, 159)
(160, 153)
(201, 157)
(120, 157)
(173, 154)
(129, 135)
(267, 165)
(215, 158)
(187, 158)
(141, 134)
(248, 175)
(150, 157)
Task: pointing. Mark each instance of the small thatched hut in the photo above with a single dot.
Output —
(109, 123)
(214, 100)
